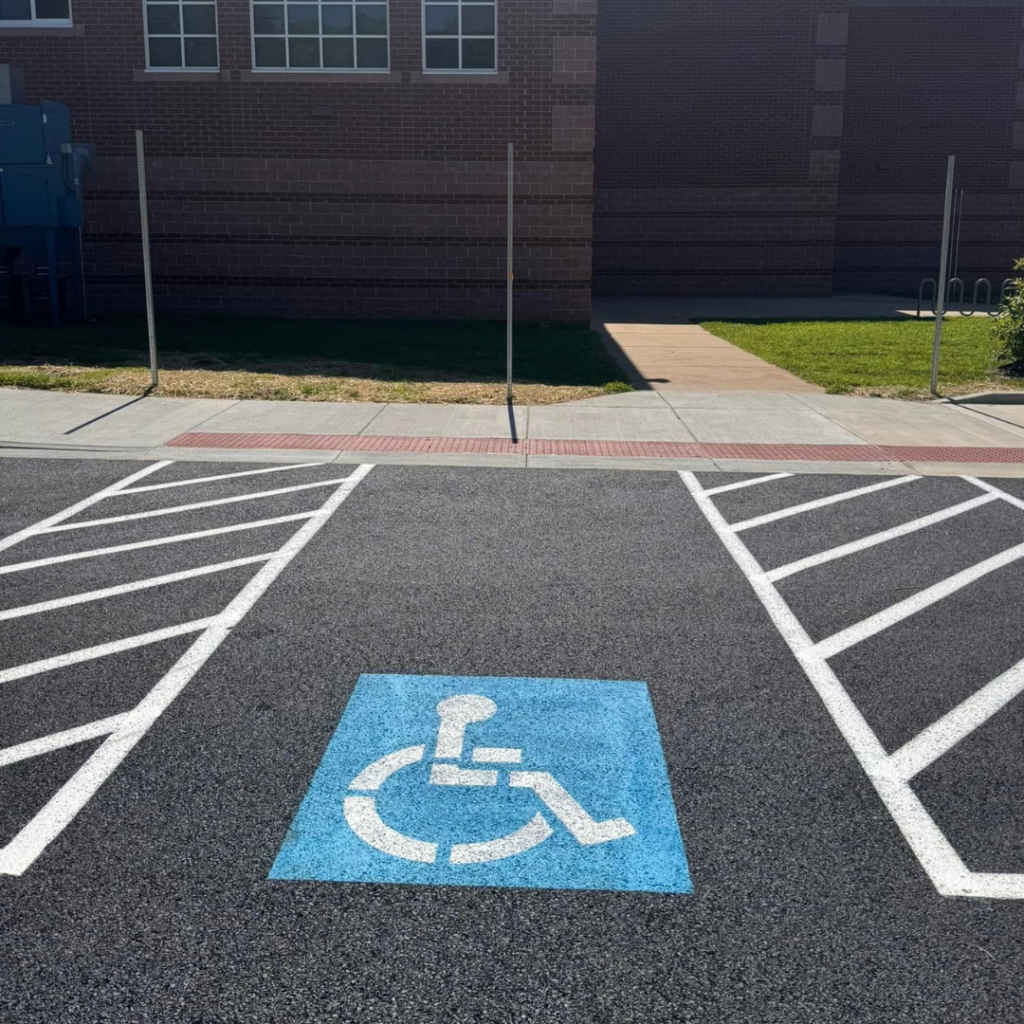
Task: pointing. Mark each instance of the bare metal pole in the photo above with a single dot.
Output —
(147, 268)
(940, 298)
(510, 278)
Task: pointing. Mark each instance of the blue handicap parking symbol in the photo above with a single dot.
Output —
(447, 780)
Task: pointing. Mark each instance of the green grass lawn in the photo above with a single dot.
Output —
(892, 357)
(314, 359)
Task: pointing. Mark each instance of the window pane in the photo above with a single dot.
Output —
(442, 53)
(199, 19)
(338, 53)
(53, 9)
(270, 53)
(337, 20)
(268, 19)
(478, 54)
(373, 53)
(200, 52)
(371, 19)
(163, 19)
(478, 21)
(442, 21)
(303, 20)
(304, 53)
(165, 53)
(15, 10)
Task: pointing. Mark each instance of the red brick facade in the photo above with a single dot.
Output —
(799, 146)
(323, 194)
(742, 146)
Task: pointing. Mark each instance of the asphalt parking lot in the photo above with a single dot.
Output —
(825, 817)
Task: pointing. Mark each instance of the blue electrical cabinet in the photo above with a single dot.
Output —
(40, 206)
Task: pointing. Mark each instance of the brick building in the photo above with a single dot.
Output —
(348, 159)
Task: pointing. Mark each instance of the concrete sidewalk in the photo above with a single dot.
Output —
(663, 347)
(733, 432)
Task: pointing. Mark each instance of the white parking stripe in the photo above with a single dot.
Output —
(877, 538)
(747, 483)
(809, 506)
(178, 538)
(59, 740)
(34, 668)
(45, 524)
(211, 479)
(913, 757)
(129, 588)
(194, 505)
(943, 864)
(998, 492)
(860, 631)
(18, 855)
(937, 856)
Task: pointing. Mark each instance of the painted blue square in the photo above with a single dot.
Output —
(586, 805)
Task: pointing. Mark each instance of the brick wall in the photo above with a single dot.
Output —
(924, 84)
(742, 146)
(739, 143)
(333, 195)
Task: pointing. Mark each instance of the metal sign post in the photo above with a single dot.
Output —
(147, 269)
(940, 290)
(509, 280)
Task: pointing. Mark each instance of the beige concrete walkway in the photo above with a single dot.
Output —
(662, 352)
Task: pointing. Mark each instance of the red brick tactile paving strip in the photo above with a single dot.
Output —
(608, 449)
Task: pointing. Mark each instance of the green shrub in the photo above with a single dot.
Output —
(1009, 328)
(617, 387)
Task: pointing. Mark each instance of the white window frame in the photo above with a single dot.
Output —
(35, 22)
(459, 70)
(181, 36)
(264, 70)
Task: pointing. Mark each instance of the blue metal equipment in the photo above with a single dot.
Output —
(40, 206)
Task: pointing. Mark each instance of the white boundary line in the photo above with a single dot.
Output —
(810, 506)
(45, 524)
(19, 854)
(860, 631)
(941, 862)
(152, 513)
(992, 489)
(877, 538)
(129, 588)
(739, 485)
(74, 556)
(223, 476)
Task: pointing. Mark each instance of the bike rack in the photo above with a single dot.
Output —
(954, 283)
(920, 295)
(956, 289)
(974, 301)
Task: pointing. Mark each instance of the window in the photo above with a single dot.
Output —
(181, 34)
(460, 35)
(43, 13)
(301, 35)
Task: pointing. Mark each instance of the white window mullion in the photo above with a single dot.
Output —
(329, 46)
(32, 18)
(441, 63)
(207, 33)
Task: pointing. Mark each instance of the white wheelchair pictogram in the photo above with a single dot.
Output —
(456, 713)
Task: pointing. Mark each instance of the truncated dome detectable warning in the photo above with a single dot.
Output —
(534, 783)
